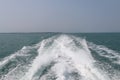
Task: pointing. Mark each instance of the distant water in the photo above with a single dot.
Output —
(57, 56)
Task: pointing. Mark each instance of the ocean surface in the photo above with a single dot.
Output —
(59, 56)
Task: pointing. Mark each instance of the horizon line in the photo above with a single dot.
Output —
(53, 32)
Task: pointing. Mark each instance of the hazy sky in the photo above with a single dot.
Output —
(59, 15)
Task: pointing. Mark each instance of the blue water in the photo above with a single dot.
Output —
(60, 56)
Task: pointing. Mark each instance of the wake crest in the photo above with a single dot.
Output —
(62, 57)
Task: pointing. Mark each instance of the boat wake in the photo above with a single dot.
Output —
(61, 57)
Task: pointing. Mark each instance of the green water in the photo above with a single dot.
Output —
(110, 40)
(12, 42)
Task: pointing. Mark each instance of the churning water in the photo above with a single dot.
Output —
(62, 57)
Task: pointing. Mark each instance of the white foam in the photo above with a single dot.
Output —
(63, 57)
(106, 52)
(66, 60)
(18, 69)
(19, 53)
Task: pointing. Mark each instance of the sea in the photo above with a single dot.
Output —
(59, 56)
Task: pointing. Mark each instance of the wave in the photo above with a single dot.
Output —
(61, 57)
(113, 56)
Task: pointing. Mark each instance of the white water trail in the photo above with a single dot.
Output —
(69, 55)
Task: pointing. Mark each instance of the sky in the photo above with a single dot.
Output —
(59, 16)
